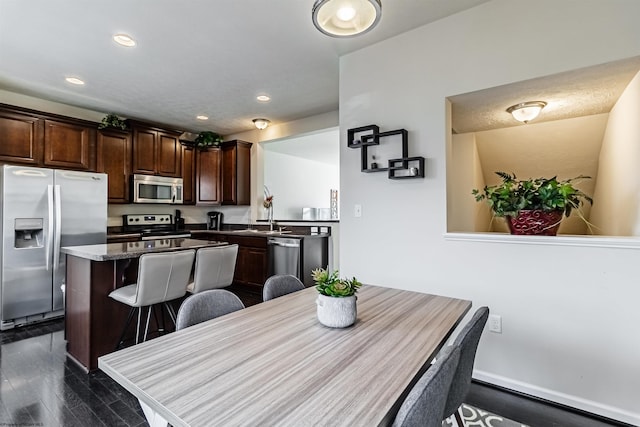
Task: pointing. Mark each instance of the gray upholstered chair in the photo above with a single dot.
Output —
(279, 285)
(214, 268)
(467, 340)
(162, 277)
(424, 405)
(205, 306)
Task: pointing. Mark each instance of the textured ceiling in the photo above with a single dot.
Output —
(210, 57)
(583, 92)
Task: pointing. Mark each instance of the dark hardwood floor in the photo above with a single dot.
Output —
(40, 386)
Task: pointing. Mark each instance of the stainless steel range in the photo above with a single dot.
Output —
(153, 226)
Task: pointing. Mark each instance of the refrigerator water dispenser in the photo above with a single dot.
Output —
(28, 233)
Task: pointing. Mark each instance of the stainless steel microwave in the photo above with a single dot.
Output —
(157, 189)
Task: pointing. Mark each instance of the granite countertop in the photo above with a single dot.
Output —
(125, 250)
(260, 233)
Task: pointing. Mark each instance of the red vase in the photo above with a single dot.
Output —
(542, 223)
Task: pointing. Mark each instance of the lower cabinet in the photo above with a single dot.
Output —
(251, 267)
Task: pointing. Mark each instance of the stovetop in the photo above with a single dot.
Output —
(152, 226)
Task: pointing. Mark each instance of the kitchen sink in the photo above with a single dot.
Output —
(265, 232)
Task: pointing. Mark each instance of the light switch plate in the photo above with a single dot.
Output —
(357, 211)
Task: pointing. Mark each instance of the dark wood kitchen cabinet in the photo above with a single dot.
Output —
(156, 151)
(188, 175)
(236, 173)
(69, 144)
(113, 151)
(208, 177)
(21, 136)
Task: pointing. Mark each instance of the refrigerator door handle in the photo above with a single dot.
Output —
(56, 248)
(48, 254)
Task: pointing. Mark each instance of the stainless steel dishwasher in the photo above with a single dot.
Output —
(284, 255)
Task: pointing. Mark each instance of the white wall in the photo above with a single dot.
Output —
(297, 182)
(273, 132)
(570, 317)
(617, 192)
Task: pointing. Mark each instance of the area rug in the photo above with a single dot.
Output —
(475, 417)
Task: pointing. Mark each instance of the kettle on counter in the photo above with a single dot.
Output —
(214, 220)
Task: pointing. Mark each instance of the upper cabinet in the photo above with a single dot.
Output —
(208, 176)
(223, 174)
(236, 173)
(156, 151)
(40, 139)
(21, 136)
(188, 175)
(114, 158)
(69, 145)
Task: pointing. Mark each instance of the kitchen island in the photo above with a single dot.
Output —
(93, 321)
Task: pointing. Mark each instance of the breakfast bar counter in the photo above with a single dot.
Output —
(93, 321)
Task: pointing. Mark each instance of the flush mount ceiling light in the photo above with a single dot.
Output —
(74, 80)
(261, 123)
(263, 98)
(526, 111)
(202, 117)
(124, 40)
(346, 18)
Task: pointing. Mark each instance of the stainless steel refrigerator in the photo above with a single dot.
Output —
(42, 210)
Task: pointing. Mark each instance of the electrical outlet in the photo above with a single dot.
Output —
(495, 323)
(357, 211)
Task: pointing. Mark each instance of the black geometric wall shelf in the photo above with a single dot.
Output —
(399, 164)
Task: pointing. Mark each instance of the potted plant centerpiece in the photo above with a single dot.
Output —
(337, 300)
(534, 206)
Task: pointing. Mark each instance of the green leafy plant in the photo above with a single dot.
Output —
(547, 194)
(112, 121)
(331, 285)
(208, 139)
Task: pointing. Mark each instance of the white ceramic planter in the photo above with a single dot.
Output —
(336, 312)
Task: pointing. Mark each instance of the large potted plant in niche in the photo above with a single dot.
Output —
(534, 206)
(337, 300)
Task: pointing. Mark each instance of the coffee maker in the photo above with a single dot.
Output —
(178, 221)
(214, 221)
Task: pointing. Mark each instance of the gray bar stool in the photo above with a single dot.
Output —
(162, 277)
(214, 268)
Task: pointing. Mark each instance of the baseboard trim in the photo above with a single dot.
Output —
(586, 407)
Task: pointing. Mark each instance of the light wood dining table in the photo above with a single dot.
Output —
(275, 364)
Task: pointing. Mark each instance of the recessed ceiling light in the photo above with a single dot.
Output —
(74, 80)
(263, 98)
(201, 117)
(124, 40)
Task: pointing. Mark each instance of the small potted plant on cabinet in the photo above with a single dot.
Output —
(337, 300)
(112, 121)
(534, 206)
(206, 139)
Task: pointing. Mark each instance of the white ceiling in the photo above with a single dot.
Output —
(210, 57)
(576, 93)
